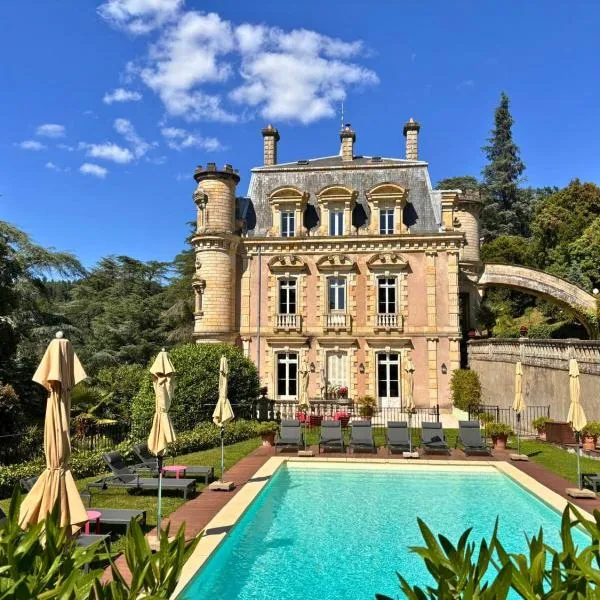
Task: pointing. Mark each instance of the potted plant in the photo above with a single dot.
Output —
(267, 430)
(343, 391)
(539, 425)
(366, 406)
(499, 433)
(589, 435)
(263, 391)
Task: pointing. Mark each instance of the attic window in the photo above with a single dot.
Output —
(302, 162)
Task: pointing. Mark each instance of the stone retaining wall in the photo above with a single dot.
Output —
(545, 372)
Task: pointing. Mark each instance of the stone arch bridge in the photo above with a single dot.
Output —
(537, 283)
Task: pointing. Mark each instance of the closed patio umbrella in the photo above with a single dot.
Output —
(576, 415)
(519, 405)
(223, 412)
(303, 399)
(410, 400)
(59, 371)
(162, 432)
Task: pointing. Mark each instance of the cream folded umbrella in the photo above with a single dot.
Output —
(162, 432)
(410, 400)
(223, 412)
(576, 415)
(303, 400)
(519, 405)
(58, 372)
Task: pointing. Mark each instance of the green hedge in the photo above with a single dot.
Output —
(196, 385)
(466, 389)
(86, 464)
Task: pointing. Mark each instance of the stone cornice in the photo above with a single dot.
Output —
(280, 169)
(354, 244)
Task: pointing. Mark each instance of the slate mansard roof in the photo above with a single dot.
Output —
(360, 174)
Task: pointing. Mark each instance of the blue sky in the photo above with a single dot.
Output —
(108, 106)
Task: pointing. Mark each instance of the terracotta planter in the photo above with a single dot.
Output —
(268, 439)
(500, 441)
(589, 442)
(541, 435)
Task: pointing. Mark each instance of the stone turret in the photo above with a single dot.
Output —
(467, 212)
(215, 244)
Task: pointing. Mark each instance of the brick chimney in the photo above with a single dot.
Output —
(270, 139)
(347, 137)
(411, 133)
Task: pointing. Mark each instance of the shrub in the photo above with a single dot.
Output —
(466, 389)
(268, 427)
(498, 429)
(540, 423)
(122, 383)
(592, 429)
(12, 418)
(197, 385)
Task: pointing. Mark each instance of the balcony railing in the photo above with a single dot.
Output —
(287, 322)
(388, 321)
(337, 322)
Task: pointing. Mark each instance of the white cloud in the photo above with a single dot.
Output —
(121, 95)
(183, 177)
(180, 139)
(108, 151)
(54, 167)
(92, 169)
(296, 75)
(127, 130)
(187, 55)
(139, 16)
(51, 130)
(467, 83)
(31, 145)
(66, 147)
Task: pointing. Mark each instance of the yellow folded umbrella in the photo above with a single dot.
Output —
(162, 432)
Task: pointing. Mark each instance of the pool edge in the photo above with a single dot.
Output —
(233, 511)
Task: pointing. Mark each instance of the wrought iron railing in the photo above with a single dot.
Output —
(523, 424)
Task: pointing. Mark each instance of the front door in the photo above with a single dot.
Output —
(388, 379)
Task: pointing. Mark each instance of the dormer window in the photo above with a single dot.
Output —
(336, 222)
(288, 224)
(386, 221)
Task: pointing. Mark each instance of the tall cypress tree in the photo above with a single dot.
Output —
(507, 210)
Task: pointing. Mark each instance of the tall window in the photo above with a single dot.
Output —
(337, 293)
(287, 375)
(388, 383)
(386, 221)
(288, 224)
(337, 369)
(287, 296)
(386, 296)
(336, 222)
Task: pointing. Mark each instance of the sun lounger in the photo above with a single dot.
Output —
(149, 463)
(398, 436)
(469, 435)
(361, 436)
(125, 477)
(290, 434)
(590, 479)
(110, 516)
(331, 436)
(433, 438)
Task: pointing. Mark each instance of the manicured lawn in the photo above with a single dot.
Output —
(120, 498)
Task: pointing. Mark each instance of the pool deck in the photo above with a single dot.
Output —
(199, 512)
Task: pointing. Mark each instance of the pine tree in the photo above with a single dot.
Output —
(507, 210)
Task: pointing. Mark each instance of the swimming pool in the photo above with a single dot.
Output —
(315, 533)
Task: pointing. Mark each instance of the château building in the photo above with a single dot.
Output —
(350, 267)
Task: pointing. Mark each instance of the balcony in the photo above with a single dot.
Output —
(288, 322)
(388, 321)
(337, 322)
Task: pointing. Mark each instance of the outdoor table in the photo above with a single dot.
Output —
(177, 469)
(93, 515)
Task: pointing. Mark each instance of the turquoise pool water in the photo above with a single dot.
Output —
(315, 534)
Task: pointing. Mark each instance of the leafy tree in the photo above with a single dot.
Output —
(508, 249)
(584, 253)
(464, 182)
(197, 386)
(506, 211)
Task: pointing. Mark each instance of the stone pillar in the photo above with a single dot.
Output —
(216, 245)
(454, 344)
(449, 198)
(411, 133)
(347, 137)
(432, 367)
(453, 304)
(430, 276)
(270, 139)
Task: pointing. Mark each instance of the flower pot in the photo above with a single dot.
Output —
(541, 435)
(500, 441)
(268, 439)
(589, 442)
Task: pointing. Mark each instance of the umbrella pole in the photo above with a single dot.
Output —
(409, 433)
(222, 452)
(578, 466)
(159, 463)
(518, 433)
